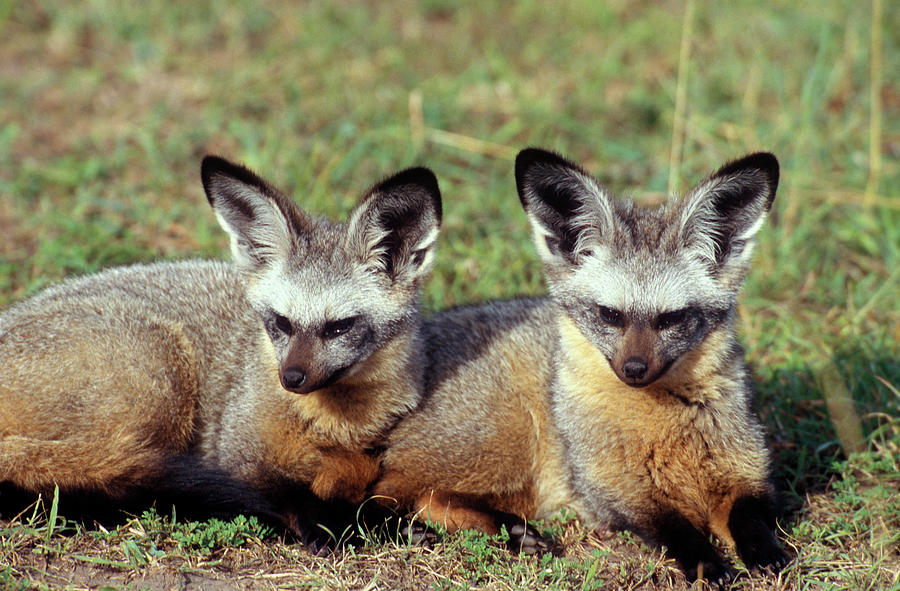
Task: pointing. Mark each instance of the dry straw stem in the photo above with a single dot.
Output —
(886, 289)
(470, 144)
(750, 105)
(678, 122)
(841, 409)
(838, 197)
(420, 134)
(416, 119)
(875, 62)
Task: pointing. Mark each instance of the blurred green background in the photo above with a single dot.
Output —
(106, 109)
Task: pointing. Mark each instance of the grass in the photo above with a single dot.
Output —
(106, 110)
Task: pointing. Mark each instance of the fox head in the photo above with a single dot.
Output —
(645, 286)
(329, 294)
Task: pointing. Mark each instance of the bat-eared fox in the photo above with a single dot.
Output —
(623, 395)
(283, 369)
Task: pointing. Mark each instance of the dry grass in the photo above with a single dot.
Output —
(105, 112)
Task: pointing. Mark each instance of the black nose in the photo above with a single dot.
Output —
(635, 368)
(292, 378)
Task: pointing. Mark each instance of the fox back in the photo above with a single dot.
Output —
(650, 390)
(283, 368)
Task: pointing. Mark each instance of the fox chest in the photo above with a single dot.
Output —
(669, 452)
(644, 454)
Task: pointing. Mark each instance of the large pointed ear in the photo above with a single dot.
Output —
(395, 227)
(568, 210)
(721, 216)
(261, 221)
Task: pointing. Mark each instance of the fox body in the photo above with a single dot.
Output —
(482, 451)
(630, 400)
(285, 367)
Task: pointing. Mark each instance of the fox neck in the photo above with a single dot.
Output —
(696, 378)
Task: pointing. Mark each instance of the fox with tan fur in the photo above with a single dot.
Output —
(624, 395)
(285, 368)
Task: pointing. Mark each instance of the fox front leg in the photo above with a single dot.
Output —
(691, 548)
(751, 523)
(345, 475)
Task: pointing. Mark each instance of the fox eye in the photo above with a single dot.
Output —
(611, 316)
(670, 319)
(283, 324)
(338, 327)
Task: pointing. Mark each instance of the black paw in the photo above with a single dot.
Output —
(324, 539)
(321, 537)
(416, 533)
(526, 540)
(715, 572)
(768, 555)
(320, 545)
(692, 549)
(752, 524)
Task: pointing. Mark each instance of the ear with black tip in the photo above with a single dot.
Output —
(721, 216)
(395, 227)
(261, 221)
(566, 207)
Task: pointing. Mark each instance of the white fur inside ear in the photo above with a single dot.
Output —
(426, 247)
(237, 244)
(374, 250)
(705, 229)
(597, 203)
(586, 240)
(263, 236)
(541, 234)
(367, 236)
(698, 222)
(750, 232)
(577, 203)
(398, 254)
